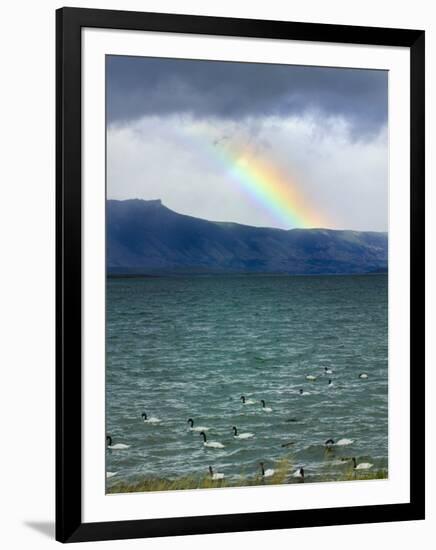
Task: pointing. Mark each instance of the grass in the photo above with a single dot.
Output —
(282, 475)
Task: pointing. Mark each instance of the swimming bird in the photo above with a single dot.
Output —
(266, 473)
(330, 384)
(340, 443)
(299, 473)
(245, 435)
(344, 441)
(302, 392)
(211, 444)
(363, 375)
(215, 476)
(117, 446)
(327, 370)
(362, 465)
(149, 419)
(264, 408)
(246, 401)
(311, 377)
(196, 428)
(110, 474)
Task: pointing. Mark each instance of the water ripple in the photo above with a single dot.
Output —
(190, 347)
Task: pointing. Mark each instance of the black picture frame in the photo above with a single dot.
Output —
(69, 525)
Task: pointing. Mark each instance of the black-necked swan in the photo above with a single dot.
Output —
(110, 474)
(215, 475)
(330, 383)
(266, 473)
(211, 444)
(299, 473)
(362, 465)
(327, 370)
(363, 375)
(302, 392)
(117, 446)
(264, 408)
(149, 419)
(245, 435)
(344, 442)
(196, 428)
(246, 401)
(340, 443)
(311, 377)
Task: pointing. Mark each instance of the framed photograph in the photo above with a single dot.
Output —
(240, 274)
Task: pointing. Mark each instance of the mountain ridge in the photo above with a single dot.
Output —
(146, 237)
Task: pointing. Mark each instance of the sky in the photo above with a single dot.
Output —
(265, 145)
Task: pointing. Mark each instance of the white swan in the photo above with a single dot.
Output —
(264, 408)
(211, 444)
(150, 419)
(215, 475)
(196, 428)
(110, 474)
(362, 465)
(328, 371)
(117, 446)
(299, 473)
(245, 435)
(363, 375)
(311, 377)
(266, 473)
(247, 401)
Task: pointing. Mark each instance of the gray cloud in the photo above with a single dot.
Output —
(174, 159)
(138, 86)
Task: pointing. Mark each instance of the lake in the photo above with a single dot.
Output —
(190, 347)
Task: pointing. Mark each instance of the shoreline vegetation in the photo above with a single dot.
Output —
(283, 475)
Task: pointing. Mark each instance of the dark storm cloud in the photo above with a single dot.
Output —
(139, 86)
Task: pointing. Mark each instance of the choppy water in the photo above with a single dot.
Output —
(189, 347)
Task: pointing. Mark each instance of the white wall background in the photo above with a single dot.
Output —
(27, 210)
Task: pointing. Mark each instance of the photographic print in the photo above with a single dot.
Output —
(247, 274)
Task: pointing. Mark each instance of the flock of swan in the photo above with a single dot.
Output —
(237, 435)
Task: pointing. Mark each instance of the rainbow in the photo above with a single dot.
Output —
(279, 193)
(274, 190)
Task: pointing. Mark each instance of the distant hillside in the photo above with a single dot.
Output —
(145, 237)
